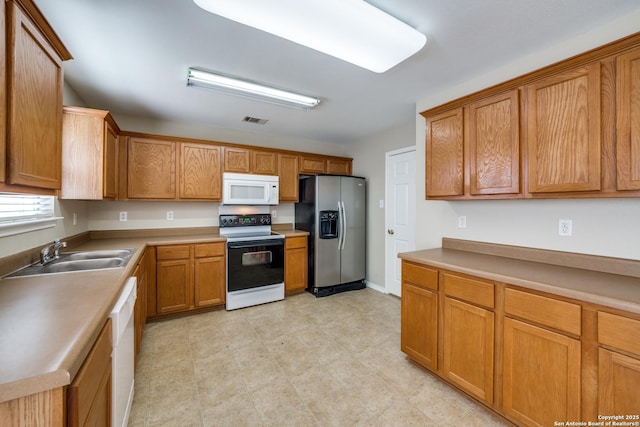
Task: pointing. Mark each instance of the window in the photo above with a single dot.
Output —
(21, 213)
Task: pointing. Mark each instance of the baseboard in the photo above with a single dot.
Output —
(375, 287)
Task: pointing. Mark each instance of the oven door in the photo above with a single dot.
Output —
(254, 263)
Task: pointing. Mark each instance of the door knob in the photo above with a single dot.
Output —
(390, 231)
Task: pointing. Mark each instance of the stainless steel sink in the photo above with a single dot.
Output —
(84, 264)
(108, 253)
(79, 261)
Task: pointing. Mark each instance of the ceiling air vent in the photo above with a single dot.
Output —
(254, 120)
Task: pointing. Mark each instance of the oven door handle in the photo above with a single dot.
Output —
(253, 243)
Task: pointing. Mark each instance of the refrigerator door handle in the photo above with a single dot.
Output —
(340, 222)
(344, 224)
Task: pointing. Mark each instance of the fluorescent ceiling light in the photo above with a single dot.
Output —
(248, 89)
(351, 30)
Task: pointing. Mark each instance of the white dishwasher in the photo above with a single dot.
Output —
(122, 357)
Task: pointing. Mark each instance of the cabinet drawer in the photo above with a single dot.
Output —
(619, 332)
(295, 242)
(560, 315)
(172, 252)
(210, 249)
(470, 290)
(420, 275)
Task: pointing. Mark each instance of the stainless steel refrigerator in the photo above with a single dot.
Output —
(332, 209)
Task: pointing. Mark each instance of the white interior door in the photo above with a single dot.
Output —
(400, 195)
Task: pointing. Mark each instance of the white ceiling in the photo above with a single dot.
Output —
(131, 57)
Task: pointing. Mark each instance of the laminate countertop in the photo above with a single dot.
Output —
(48, 323)
(610, 282)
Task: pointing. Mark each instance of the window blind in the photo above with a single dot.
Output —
(18, 208)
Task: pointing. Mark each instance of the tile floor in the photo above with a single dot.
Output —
(332, 361)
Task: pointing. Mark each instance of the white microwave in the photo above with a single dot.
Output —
(248, 189)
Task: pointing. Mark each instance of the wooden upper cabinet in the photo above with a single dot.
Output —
(338, 166)
(237, 160)
(445, 154)
(151, 169)
(34, 102)
(313, 164)
(563, 132)
(200, 171)
(628, 121)
(494, 145)
(89, 154)
(288, 174)
(264, 162)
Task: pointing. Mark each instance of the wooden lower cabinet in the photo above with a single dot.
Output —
(618, 365)
(210, 274)
(190, 276)
(295, 264)
(419, 314)
(140, 309)
(89, 395)
(534, 358)
(174, 286)
(419, 330)
(468, 347)
(541, 378)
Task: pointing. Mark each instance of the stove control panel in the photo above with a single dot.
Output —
(244, 220)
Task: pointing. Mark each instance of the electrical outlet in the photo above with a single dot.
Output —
(564, 227)
(123, 216)
(75, 218)
(169, 215)
(462, 222)
(274, 213)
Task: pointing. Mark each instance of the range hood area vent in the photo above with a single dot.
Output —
(254, 120)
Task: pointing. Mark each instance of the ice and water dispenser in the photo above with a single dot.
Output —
(328, 224)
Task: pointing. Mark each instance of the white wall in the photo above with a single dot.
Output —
(608, 227)
(369, 162)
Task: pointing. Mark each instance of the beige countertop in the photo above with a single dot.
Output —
(620, 291)
(48, 323)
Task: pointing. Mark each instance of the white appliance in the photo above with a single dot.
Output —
(122, 357)
(248, 189)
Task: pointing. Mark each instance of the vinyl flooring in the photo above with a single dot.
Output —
(304, 361)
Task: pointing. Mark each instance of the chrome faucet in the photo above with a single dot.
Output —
(51, 252)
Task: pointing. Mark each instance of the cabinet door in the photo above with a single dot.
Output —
(419, 320)
(174, 286)
(200, 172)
(140, 309)
(151, 168)
(264, 163)
(494, 145)
(288, 173)
(618, 379)
(110, 175)
(339, 166)
(312, 164)
(89, 394)
(541, 378)
(209, 281)
(628, 121)
(468, 348)
(445, 154)
(295, 264)
(34, 105)
(563, 132)
(237, 160)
